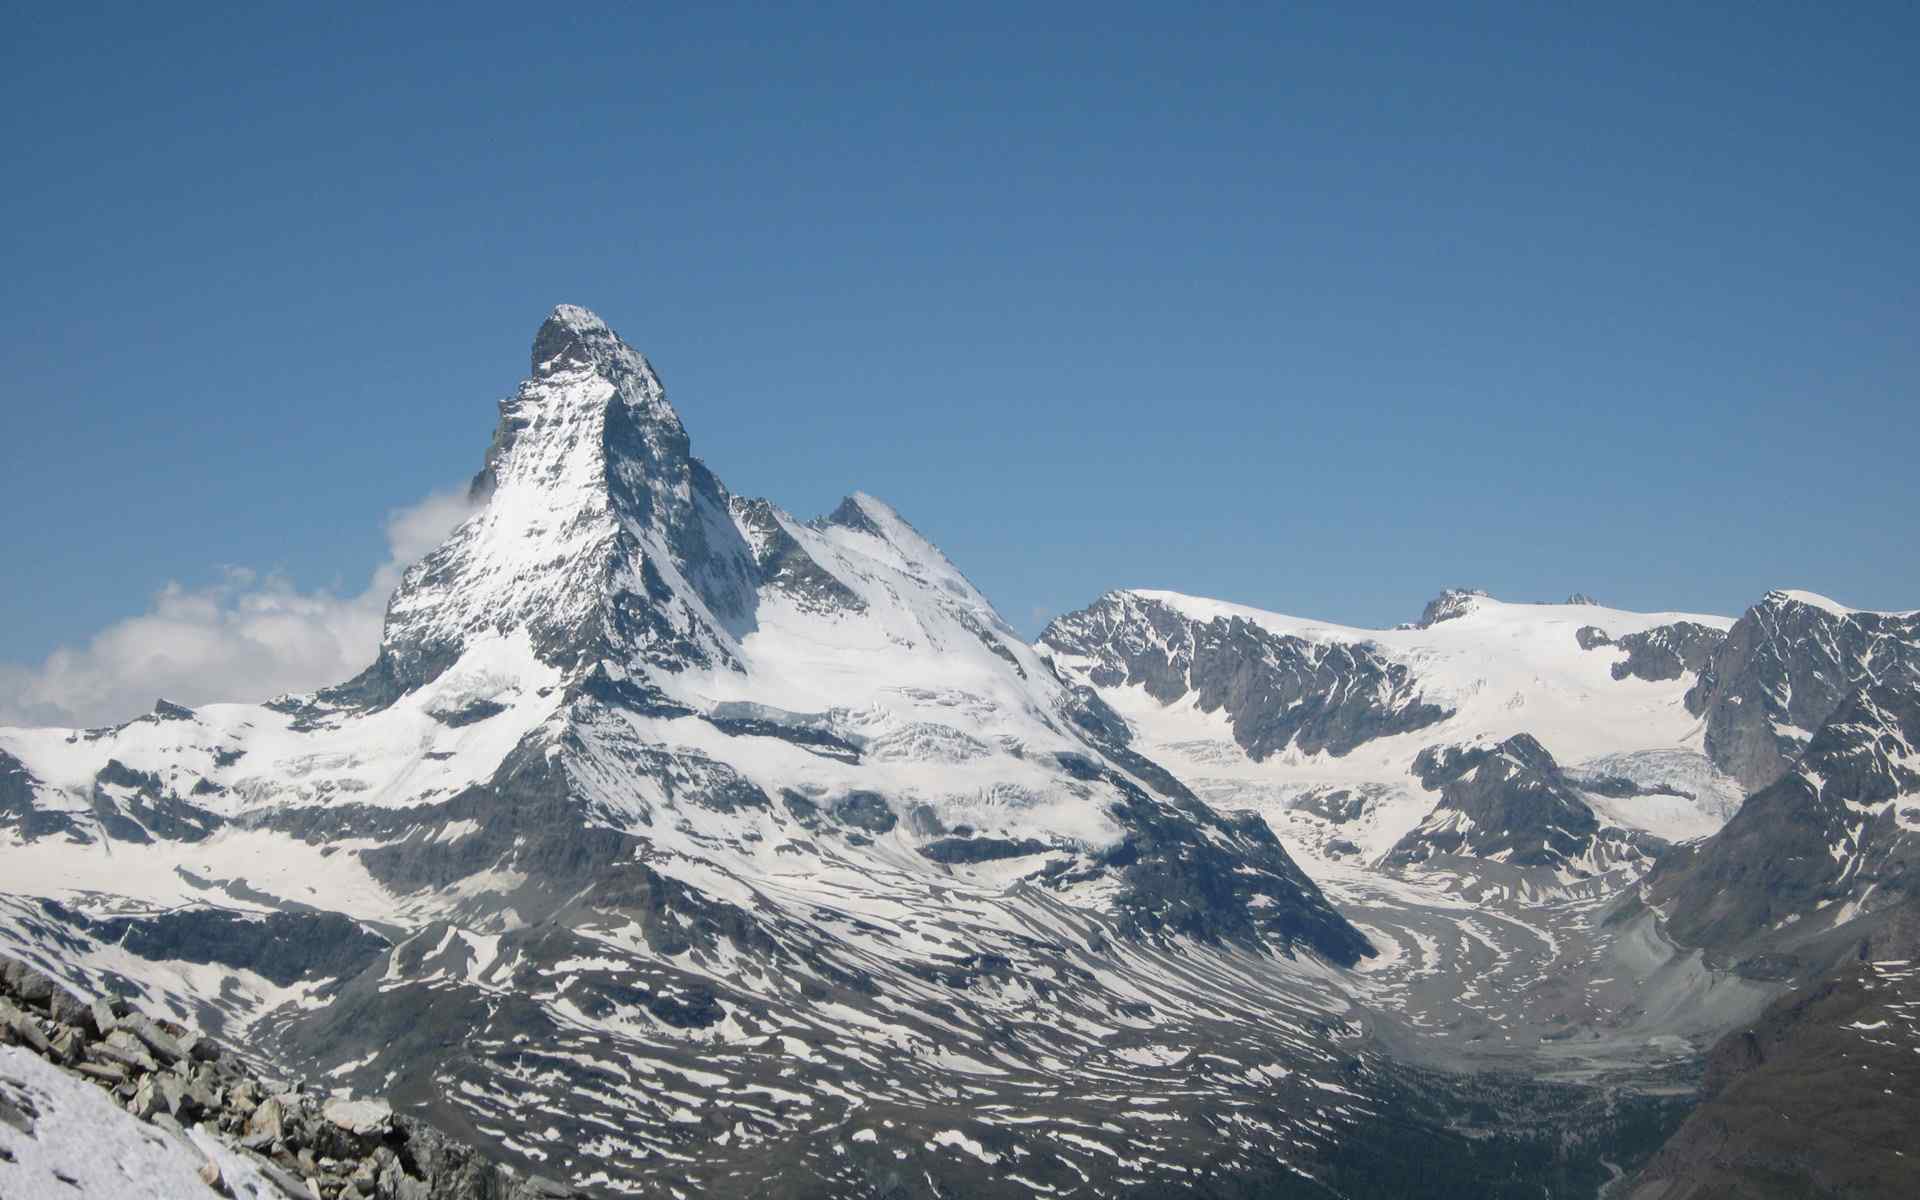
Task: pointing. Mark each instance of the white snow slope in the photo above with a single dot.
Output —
(1502, 668)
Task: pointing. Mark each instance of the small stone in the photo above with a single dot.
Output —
(197, 1101)
(268, 1120)
(210, 1175)
(105, 1021)
(25, 1029)
(368, 1118)
(109, 1072)
(153, 1095)
(68, 1045)
(122, 1047)
(28, 983)
(173, 1094)
(199, 1048)
(163, 1045)
(69, 1009)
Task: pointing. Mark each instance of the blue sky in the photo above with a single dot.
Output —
(1308, 309)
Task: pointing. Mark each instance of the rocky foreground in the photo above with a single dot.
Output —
(254, 1137)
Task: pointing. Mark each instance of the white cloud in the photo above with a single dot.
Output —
(247, 637)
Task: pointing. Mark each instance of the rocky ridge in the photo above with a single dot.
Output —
(1276, 690)
(1837, 835)
(1786, 665)
(282, 1141)
(1511, 803)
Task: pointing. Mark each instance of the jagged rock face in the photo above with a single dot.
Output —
(1321, 727)
(1784, 668)
(1278, 691)
(1451, 603)
(1511, 803)
(1839, 831)
(18, 808)
(1668, 652)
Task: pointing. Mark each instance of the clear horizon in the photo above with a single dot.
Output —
(1314, 312)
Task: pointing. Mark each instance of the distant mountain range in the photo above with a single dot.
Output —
(674, 845)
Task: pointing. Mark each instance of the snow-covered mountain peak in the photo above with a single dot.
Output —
(597, 532)
(573, 338)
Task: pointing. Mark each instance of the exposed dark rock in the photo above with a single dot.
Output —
(849, 515)
(284, 947)
(800, 808)
(1622, 788)
(1827, 831)
(167, 710)
(477, 711)
(1783, 669)
(1437, 766)
(819, 741)
(1510, 801)
(18, 811)
(864, 810)
(1664, 652)
(1277, 690)
(786, 567)
(1451, 603)
(1190, 871)
(980, 849)
(1337, 805)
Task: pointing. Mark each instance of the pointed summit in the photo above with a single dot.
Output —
(596, 531)
(573, 337)
(576, 356)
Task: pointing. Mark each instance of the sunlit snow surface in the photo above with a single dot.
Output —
(80, 1144)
